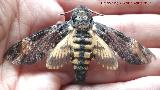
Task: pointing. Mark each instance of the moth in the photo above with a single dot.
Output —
(78, 41)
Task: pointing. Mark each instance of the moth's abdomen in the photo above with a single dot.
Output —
(82, 51)
(80, 67)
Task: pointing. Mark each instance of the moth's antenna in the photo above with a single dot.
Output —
(67, 12)
(96, 12)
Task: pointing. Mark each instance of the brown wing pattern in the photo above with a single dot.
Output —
(127, 48)
(36, 46)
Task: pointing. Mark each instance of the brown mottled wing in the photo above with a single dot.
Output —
(103, 54)
(127, 48)
(60, 55)
(36, 46)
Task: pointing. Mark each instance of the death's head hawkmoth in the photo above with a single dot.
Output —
(78, 41)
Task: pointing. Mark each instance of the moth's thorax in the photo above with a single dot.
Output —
(81, 18)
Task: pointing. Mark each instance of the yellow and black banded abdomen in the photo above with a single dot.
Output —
(81, 55)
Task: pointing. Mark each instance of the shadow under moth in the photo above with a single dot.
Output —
(78, 41)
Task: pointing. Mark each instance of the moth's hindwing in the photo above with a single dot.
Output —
(127, 48)
(35, 47)
(103, 54)
(60, 55)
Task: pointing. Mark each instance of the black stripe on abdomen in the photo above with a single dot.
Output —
(81, 57)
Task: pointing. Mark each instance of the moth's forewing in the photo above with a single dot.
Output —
(127, 48)
(18, 52)
(143, 53)
(35, 47)
(103, 54)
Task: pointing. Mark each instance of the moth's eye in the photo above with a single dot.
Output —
(81, 18)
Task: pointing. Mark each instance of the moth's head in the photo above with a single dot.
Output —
(81, 17)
